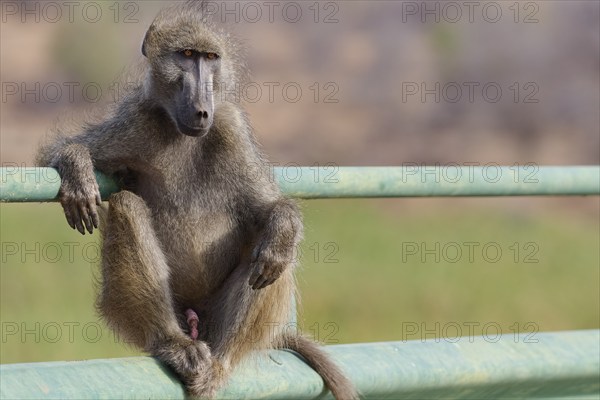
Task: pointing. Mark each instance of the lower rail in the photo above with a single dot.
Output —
(545, 365)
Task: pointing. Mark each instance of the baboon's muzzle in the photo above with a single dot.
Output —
(195, 117)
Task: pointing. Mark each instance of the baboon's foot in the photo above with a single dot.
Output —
(205, 386)
(201, 387)
(188, 357)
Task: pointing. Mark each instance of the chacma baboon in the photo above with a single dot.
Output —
(197, 255)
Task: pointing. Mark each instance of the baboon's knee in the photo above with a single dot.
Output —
(128, 203)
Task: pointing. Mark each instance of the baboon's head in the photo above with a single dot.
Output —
(189, 60)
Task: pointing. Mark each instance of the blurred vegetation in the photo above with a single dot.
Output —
(356, 281)
(84, 63)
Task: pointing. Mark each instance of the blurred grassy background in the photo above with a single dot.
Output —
(356, 282)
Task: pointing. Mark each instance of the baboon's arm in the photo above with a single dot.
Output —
(280, 228)
(106, 147)
(277, 245)
(277, 220)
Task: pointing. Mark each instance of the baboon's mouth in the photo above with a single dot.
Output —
(192, 130)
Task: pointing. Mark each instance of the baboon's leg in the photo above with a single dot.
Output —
(240, 319)
(135, 298)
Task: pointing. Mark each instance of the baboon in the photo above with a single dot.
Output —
(198, 249)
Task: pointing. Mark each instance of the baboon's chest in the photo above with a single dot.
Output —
(196, 229)
(196, 222)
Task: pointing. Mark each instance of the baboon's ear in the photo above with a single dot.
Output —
(146, 39)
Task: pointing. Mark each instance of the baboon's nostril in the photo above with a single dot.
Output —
(204, 114)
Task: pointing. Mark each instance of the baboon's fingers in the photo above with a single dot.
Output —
(257, 271)
(85, 216)
(264, 275)
(270, 279)
(94, 214)
(95, 219)
(70, 220)
(260, 278)
(267, 282)
(77, 218)
(98, 199)
(260, 283)
(66, 208)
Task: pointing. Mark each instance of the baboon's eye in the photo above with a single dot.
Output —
(188, 53)
(212, 56)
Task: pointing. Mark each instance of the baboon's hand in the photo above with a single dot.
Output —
(267, 265)
(79, 196)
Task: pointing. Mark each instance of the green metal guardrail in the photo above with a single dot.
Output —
(558, 365)
(42, 184)
(555, 365)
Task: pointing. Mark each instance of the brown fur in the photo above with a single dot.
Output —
(196, 227)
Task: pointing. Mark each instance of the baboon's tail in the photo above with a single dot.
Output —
(317, 359)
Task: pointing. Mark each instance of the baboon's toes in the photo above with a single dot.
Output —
(201, 386)
(189, 358)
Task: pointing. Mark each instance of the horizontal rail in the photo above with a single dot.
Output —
(42, 184)
(548, 365)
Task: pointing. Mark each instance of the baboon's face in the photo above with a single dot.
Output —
(192, 105)
(188, 59)
(184, 76)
